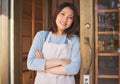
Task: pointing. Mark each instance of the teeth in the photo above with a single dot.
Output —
(63, 23)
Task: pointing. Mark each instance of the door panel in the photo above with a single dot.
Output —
(87, 40)
(107, 42)
(33, 20)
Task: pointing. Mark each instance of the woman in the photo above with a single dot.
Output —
(55, 54)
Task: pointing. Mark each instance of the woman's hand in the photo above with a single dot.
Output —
(65, 62)
(39, 54)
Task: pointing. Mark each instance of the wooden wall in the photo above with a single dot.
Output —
(33, 20)
(17, 43)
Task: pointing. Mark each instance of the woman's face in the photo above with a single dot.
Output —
(64, 19)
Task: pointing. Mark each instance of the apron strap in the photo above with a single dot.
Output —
(69, 41)
(48, 36)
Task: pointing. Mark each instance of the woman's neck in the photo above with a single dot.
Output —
(58, 33)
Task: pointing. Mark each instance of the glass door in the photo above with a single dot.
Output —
(107, 42)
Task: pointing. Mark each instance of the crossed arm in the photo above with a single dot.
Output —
(54, 66)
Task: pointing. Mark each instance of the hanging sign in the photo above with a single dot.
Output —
(86, 79)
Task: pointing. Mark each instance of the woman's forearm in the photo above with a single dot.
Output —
(57, 70)
(50, 63)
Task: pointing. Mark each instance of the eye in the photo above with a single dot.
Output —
(70, 17)
(62, 14)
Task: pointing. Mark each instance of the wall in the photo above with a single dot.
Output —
(4, 42)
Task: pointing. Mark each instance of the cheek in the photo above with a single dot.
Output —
(70, 22)
(57, 19)
(57, 22)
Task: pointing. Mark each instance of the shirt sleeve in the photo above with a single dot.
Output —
(34, 63)
(74, 67)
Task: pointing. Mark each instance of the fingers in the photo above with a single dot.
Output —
(39, 54)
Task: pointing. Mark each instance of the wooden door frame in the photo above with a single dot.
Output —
(17, 42)
(0, 36)
(86, 17)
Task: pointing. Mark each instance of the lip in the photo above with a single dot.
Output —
(63, 23)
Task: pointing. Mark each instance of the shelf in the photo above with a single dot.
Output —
(108, 32)
(108, 54)
(108, 76)
(108, 11)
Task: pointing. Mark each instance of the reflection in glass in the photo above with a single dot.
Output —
(108, 22)
(108, 43)
(108, 65)
(105, 4)
(108, 81)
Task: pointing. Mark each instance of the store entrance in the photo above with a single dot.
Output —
(100, 25)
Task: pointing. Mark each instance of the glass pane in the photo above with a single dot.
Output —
(38, 13)
(39, 2)
(108, 81)
(108, 43)
(27, 11)
(38, 27)
(108, 21)
(26, 28)
(108, 65)
(26, 44)
(107, 4)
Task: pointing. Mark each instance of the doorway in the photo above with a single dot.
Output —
(36, 15)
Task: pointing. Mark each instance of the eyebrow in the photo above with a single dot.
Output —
(65, 12)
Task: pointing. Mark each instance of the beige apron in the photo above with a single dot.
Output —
(50, 51)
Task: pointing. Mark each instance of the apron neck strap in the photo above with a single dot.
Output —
(48, 36)
(69, 41)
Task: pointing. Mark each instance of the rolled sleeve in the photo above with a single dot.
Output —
(34, 63)
(74, 67)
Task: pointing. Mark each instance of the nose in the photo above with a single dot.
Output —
(65, 19)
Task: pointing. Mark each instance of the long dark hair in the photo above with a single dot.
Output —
(73, 29)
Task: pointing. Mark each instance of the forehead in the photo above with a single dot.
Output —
(67, 10)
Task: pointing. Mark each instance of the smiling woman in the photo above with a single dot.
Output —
(55, 54)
